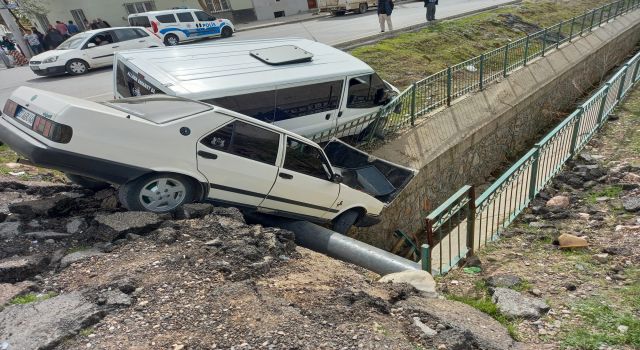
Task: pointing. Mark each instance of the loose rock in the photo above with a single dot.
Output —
(54, 206)
(426, 331)
(631, 204)
(558, 202)
(567, 241)
(111, 226)
(503, 280)
(9, 291)
(20, 268)
(421, 280)
(78, 256)
(515, 305)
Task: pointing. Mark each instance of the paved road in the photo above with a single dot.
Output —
(97, 85)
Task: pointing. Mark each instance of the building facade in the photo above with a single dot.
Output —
(115, 12)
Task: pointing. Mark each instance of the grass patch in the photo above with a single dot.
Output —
(77, 249)
(31, 298)
(485, 305)
(609, 191)
(409, 57)
(86, 332)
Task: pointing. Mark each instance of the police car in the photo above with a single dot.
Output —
(175, 26)
(165, 151)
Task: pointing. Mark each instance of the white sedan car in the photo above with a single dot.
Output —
(91, 49)
(165, 151)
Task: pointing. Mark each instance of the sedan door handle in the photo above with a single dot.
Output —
(207, 155)
(328, 116)
(115, 47)
(286, 176)
(141, 41)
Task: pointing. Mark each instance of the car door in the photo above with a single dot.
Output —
(308, 109)
(99, 49)
(365, 94)
(239, 160)
(132, 38)
(206, 24)
(188, 22)
(303, 187)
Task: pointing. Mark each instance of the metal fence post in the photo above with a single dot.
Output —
(481, 72)
(506, 60)
(471, 220)
(533, 180)
(601, 15)
(558, 36)
(413, 104)
(635, 73)
(449, 81)
(526, 50)
(584, 18)
(573, 21)
(622, 79)
(576, 131)
(425, 256)
(603, 103)
(544, 41)
(593, 16)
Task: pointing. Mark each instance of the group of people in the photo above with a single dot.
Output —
(385, 8)
(40, 42)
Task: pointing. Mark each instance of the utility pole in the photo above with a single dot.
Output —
(14, 28)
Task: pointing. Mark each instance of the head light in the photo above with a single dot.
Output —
(50, 59)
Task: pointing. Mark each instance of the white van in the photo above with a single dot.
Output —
(174, 26)
(300, 85)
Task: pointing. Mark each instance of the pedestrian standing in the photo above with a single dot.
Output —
(385, 7)
(103, 24)
(34, 42)
(87, 25)
(10, 46)
(431, 9)
(73, 29)
(40, 37)
(62, 28)
(94, 24)
(53, 38)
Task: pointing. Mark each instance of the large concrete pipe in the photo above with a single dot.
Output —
(340, 247)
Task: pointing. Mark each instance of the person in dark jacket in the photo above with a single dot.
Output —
(431, 9)
(385, 7)
(53, 38)
(40, 38)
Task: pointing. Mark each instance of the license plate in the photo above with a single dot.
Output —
(26, 116)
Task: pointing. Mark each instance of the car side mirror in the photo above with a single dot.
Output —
(90, 45)
(336, 178)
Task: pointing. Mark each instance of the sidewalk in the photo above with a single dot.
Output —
(280, 21)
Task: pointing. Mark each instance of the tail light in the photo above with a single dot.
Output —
(10, 108)
(53, 131)
(154, 26)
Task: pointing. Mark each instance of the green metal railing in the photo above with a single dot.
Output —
(465, 223)
(440, 89)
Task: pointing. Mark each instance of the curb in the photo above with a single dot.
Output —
(371, 39)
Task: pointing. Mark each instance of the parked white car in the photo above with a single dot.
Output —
(91, 49)
(340, 7)
(175, 26)
(165, 151)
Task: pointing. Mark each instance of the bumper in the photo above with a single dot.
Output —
(368, 220)
(48, 71)
(46, 156)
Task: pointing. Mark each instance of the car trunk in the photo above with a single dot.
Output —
(377, 177)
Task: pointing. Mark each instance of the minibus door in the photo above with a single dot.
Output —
(365, 94)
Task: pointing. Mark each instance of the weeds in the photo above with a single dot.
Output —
(31, 298)
(609, 192)
(485, 305)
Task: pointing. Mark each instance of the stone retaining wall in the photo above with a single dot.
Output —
(477, 135)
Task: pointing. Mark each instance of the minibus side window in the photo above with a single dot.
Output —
(204, 17)
(185, 16)
(366, 91)
(259, 105)
(308, 99)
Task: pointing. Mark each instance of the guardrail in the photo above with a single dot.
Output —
(464, 223)
(439, 89)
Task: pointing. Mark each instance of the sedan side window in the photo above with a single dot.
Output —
(126, 34)
(366, 91)
(245, 140)
(305, 159)
(103, 38)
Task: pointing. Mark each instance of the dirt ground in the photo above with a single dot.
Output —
(594, 292)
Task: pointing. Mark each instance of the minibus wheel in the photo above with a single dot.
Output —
(157, 192)
(171, 40)
(362, 8)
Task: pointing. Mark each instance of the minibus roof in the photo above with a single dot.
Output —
(223, 69)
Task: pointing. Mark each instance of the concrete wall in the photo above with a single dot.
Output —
(465, 143)
(265, 8)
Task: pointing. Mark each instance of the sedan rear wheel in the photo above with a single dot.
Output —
(77, 67)
(158, 193)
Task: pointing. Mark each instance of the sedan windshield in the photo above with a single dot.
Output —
(72, 43)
